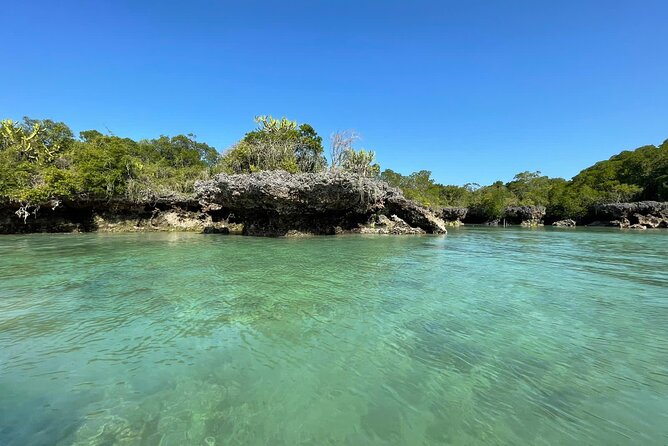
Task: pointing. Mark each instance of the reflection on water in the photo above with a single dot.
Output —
(486, 336)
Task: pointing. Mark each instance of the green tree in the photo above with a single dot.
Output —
(32, 168)
(419, 186)
(277, 145)
(361, 162)
(490, 202)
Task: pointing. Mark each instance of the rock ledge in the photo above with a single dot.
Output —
(275, 203)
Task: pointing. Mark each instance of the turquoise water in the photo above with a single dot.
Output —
(486, 336)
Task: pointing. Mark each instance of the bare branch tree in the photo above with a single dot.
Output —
(340, 144)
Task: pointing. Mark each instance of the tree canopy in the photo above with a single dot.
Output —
(277, 144)
(640, 174)
(42, 160)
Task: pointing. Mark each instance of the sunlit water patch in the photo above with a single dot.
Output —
(486, 336)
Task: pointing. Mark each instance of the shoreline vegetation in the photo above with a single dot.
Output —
(277, 180)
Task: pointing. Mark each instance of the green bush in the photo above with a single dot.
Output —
(42, 161)
(276, 145)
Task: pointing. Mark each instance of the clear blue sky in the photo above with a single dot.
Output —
(472, 90)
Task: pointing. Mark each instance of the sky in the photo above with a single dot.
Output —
(472, 90)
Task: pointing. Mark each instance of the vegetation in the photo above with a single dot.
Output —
(277, 145)
(345, 157)
(640, 174)
(41, 161)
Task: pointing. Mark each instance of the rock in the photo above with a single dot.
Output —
(111, 216)
(651, 221)
(598, 223)
(374, 226)
(401, 227)
(285, 193)
(415, 215)
(453, 214)
(274, 203)
(649, 214)
(616, 211)
(524, 215)
(381, 224)
(637, 226)
(624, 223)
(568, 223)
(215, 230)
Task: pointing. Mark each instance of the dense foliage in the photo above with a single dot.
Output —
(641, 174)
(286, 145)
(42, 161)
(277, 144)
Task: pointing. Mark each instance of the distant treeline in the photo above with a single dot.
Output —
(42, 161)
(632, 175)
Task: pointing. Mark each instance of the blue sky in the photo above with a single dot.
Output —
(474, 90)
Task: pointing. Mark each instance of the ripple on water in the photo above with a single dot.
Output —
(486, 336)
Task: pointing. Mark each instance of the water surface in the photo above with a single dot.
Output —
(486, 336)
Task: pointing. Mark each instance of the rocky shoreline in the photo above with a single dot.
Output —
(165, 214)
(277, 203)
(638, 215)
(271, 203)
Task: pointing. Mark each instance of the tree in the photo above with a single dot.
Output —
(345, 157)
(340, 144)
(309, 152)
(456, 196)
(42, 162)
(31, 164)
(629, 175)
(491, 201)
(180, 151)
(276, 145)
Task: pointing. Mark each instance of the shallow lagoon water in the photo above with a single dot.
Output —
(486, 336)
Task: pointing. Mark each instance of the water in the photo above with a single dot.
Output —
(486, 336)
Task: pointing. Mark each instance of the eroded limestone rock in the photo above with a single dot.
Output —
(382, 224)
(648, 214)
(279, 203)
(568, 223)
(524, 215)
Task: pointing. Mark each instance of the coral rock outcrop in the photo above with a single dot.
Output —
(525, 215)
(453, 216)
(648, 214)
(279, 203)
(568, 223)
